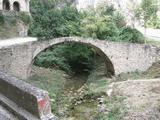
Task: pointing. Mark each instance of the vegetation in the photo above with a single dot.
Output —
(103, 23)
(49, 21)
(70, 58)
(12, 18)
(131, 35)
(147, 11)
(24, 17)
(52, 81)
(9, 21)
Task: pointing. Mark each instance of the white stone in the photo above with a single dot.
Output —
(23, 5)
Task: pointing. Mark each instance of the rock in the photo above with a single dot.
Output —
(110, 90)
(102, 108)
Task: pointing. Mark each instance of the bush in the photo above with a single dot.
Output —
(101, 27)
(25, 17)
(50, 22)
(70, 58)
(132, 35)
(154, 22)
(148, 14)
(1, 19)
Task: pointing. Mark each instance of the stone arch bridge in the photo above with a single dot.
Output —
(119, 57)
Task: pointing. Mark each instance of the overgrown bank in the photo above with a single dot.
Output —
(79, 97)
(16, 24)
(84, 98)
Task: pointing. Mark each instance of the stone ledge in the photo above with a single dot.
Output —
(28, 102)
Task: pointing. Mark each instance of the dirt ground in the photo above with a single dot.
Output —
(142, 98)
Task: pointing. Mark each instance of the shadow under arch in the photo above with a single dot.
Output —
(110, 71)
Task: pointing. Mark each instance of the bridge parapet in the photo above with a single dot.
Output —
(17, 59)
(26, 101)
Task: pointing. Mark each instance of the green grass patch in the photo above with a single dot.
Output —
(49, 80)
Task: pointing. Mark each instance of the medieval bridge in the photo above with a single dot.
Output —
(31, 103)
(120, 57)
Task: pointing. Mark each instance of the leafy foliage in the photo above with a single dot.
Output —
(1, 19)
(101, 27)
(11, 21)
(71, 58)
(25, 17)
(132, 35)
(49, 21)
(147, 11)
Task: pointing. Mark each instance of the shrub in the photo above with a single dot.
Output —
(1, 19)
(132, 35)
(25, 17)
(148, 14)
(50, 22)
(154, 22)
(69, 57)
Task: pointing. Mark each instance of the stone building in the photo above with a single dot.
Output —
(14, 5)
(15, 23)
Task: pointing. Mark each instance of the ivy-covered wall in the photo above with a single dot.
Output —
(13, 24)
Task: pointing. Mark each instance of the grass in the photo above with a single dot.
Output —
(152, 73)
(49, 80)
(115, 109)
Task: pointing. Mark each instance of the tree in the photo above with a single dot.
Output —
(147, 11)
(48, 21)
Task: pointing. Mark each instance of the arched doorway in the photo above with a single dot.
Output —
(6, 5)
(16, 6)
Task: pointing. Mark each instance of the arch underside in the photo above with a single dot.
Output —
(109, 66)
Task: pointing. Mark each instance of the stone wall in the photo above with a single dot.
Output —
(119, 57)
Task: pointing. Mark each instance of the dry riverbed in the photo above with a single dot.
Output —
(142, 98)
(133, 96)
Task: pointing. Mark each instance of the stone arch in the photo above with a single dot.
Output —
(6, 5)
(41, 46)
(16, 6)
